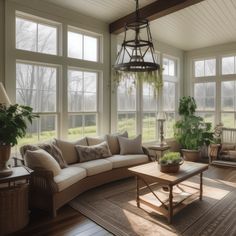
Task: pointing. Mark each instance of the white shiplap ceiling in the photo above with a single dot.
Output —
(105, 10)
(207, 23)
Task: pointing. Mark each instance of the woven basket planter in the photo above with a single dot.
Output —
(14, 214)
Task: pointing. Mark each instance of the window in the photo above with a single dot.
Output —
(36, 37)
(149, 129)
(36, 86)
(205, 96)
(169, 98)
(228, 65)
(228, 103)
(82, 103)
(126, 106)
(169, 66)
(204, 68)
(82, 46)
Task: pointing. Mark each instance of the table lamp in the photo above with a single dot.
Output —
(161, 118)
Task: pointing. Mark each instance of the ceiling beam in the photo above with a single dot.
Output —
(151, 12)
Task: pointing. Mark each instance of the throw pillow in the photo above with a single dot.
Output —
(42, 159)
(130, 146)
(113, 142)
(95, 141)
(89, 153)
(68, 149)
(27, 147)
(55, 152)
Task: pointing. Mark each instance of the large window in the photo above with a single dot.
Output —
(64, 95)
(204, 88)
(36, 37)
(36, 86)
(82, 103)
(138, 104)
(149, 129)
(203, 68)
(126, 106)
(82, 46)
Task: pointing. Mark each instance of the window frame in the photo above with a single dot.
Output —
(41, 21)
(89, 34)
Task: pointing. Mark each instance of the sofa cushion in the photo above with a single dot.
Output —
(130, 146)
(96, 166)
(88, 153)
(95, 141)
(69, 176)
(42, 159)
(55, 152)
(68, 149)
(127, 160)
(113, 142)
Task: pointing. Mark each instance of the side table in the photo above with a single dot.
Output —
(159, 150)
(14, 210)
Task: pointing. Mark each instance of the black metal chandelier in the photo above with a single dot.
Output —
(137, 54)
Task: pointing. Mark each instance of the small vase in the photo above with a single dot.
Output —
(5, 151)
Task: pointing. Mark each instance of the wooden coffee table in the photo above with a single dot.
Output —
(151, 176)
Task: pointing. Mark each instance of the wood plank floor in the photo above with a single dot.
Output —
(70, 222)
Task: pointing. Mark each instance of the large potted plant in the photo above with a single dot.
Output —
(191, 131)
(13, 125)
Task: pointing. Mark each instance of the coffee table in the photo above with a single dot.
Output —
(150, 175)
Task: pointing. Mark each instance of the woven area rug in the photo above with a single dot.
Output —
(113, 206)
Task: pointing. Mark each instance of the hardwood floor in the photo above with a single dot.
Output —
(70, 222)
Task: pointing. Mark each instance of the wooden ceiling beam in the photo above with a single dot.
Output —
(151, 12)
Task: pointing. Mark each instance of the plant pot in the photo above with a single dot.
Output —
(5, 151)
(169, 168)
(191, 155)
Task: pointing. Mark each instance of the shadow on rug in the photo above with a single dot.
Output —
(113, 206)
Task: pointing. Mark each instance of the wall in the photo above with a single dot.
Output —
(2, 40)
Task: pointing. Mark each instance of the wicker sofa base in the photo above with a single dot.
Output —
(51, 200)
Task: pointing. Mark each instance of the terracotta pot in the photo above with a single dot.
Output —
(5, 151)
(191, 155)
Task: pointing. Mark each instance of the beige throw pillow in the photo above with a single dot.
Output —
(94, 152)
(68, 149)
(95, 141)
(42, 159)
(113, 142)
(130, 146)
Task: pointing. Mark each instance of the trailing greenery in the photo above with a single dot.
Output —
(191, 131)
(153, 78)
(13, 123)
(171, 158)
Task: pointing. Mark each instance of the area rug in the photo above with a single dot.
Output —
(113, 206)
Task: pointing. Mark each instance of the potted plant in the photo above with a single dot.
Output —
(13, 125)
(191, 131)
(170, 162)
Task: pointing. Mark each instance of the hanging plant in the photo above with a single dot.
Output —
(153, 78)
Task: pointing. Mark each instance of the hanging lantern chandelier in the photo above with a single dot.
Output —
(137, 54)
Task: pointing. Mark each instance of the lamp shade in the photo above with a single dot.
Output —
(4, 99)
(161, 116)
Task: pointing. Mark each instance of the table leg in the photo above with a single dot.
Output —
(170, 204)
(137, 189)
(200, 197)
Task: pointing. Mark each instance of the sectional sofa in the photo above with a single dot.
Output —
(50, 189)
